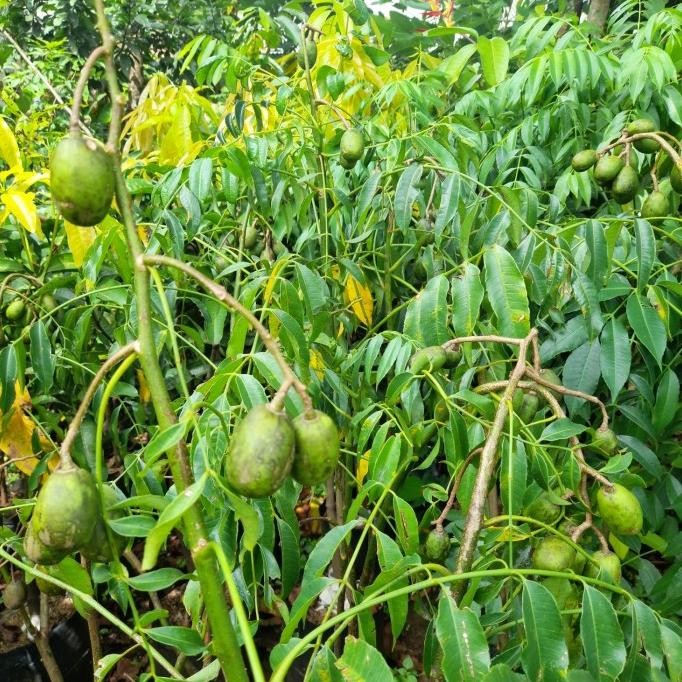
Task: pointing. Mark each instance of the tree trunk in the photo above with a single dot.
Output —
(598, 13)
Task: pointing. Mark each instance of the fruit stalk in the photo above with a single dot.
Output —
(223, 295)
(72, 432)
(225, 642)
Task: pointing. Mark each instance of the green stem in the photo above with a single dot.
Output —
(225, 644)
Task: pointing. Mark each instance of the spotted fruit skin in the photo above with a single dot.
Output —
(317, 448)
(620, 510)
(66, 509)
(261, 453)
(543, 509)
(437, 545)
(82, 180)
(39, 553)
(553, 554)
(604, 440)
(608, 563)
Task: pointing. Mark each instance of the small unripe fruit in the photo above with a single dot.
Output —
(15, 310)
(607, 168)
(643, 125)
(437, 545)
(352, 145)
(655, 206)
(431, 358)
(317, 448)
(676, 179)
(625, 185)
(309, 49)
(604, 440)
(584, 160)
(608, 563)
(14, 595)
(543, 509)
(553, 554)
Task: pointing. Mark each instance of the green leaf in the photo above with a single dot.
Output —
(461, 636)
(291, 557)
(200, 178)
(467, 296)
(389, 555)
(427, 314)
(545, 654)
(561, 429)
(581, 372)
(42, 359)
(645, 245)
(164, 440)
(494, 54)
(672, 647)
(324, 550)
(406, 524)
(449, 198)
(168, 518)
(405, 194)
(667, 400)
(361, 662)
(647, 325)
(155, 580)
(614, 360)
(503, 673)
(506, 292)
(513, 476)
(132, 526)
(185, 640)
(601, 635)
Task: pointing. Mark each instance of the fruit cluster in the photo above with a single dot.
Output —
(615, 167)
(266, 447)
(68, 518)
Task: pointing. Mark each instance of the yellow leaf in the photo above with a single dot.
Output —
(16, 438)
(79, 239)
(23, 208)
(177, 146)
(317, 363)
(9, 149)
(620, 548)
(363, 468)
(272, 280)
(145, 394)
(359, 298)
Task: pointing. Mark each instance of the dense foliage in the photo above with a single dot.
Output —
(459, 215)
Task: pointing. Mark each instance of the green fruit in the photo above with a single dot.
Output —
(625, 185)
(14, 594)
(45, 586)
(431, 358)
(66, 509)
(553, 554)
(261, 452)
(655, 205)
(309, 47)
(607, 168)
(441, 411)
(352, 145)
(604, 440)
(15, 310)
(348, 164)
(82, 180)
(579, 562)
(643, 125)
(529, 407)
(317, 448)
(452, 358)
(620, 510)
(551, 377)
(564, 592)
(39, 553)
(584, 160)
(98, 548)
(543, 509)
(676, 179)
(250, 236)
(437, 545)
(48, 303)
(608, 564)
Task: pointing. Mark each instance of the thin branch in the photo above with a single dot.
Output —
(90, 62)
(455, 488)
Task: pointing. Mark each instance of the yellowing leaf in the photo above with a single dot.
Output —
(177, 146)
(79, 239)
(272, 279)
(359, 298)
(23, 208)
(9, 149)
(317, 363)
(363, 468)
(16, 437)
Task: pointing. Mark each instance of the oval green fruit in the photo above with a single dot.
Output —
(620, 510)
(352, 145)
(564, 592)
(66, 509)
(625, 185)
(317, 448)
(15, 310)
(309, 49)
(584, 160)
(82, 180)
(529, 408)
(250, 236)
(348, 164)
(543, 509)
(607, 563)
(437, 545)
(45, 586)
(643, 125)
(48, 303)
(551, 377)
(607, 168)
(452, 358)
(676, 179)
(431, 358)
(553, 554)
(605, 441)
(14, 595)
(39, 553)
(655, 206)
(261, 452)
